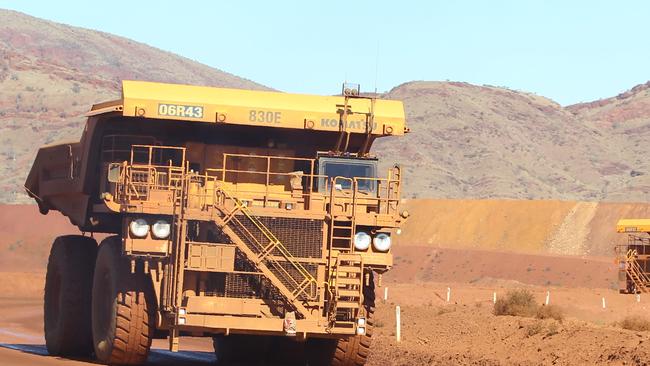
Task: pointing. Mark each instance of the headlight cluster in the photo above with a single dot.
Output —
(381, 241)
(140, 227)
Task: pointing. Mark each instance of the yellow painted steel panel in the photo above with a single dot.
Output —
(633, 225)
(257, 108)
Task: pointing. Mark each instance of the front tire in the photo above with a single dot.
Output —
(350, 351)
(67, 300)
(122, 308)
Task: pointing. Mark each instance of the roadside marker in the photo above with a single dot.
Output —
(494, 297)
(398, 334)
(548, 297)
(448, 294)
(604, 302)
(638, 297)
(385, 293)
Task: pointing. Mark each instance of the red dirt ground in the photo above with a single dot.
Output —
(434, 332)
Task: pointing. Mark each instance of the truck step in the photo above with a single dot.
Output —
(348, 281)
(348, 269)
(347, 305)
(349, 293)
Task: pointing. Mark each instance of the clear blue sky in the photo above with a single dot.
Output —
(570, 51)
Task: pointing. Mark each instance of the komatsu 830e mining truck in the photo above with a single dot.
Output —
(256, 218)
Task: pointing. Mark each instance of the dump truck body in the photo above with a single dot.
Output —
(250, 212)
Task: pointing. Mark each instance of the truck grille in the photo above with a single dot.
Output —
(303, 238)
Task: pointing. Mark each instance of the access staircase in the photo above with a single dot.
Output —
(264, 250)
(635, 273)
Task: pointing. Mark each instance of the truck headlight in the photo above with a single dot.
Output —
(161, 229)
(381, 242)
(139, 228)
(362, 240)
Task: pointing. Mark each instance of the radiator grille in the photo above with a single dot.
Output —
(302, 237)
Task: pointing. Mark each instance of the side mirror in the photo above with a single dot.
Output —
(114, 173)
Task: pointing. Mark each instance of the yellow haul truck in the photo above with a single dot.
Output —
(634, 257)
(256, 218)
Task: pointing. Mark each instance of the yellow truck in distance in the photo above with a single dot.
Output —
(259, 219)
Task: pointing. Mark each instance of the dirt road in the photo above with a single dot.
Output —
(22, 343)
(434, 332)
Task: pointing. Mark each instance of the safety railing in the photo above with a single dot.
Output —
(276, 180)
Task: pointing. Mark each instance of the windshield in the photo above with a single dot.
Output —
(349, 168)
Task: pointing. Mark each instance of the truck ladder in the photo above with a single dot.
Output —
(261, 248)
(348, 281)
(635, 272)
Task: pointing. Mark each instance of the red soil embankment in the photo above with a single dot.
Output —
(482, 267)
(26, 237)
(555, 227)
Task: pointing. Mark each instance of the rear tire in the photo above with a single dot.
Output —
(67, 300)
(122, 308)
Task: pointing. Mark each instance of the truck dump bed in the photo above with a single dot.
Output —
(254, 108)
(64, 176)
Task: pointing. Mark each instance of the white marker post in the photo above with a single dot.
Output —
(398, 333)
(548, 297)
(385, 294)
(638, 297)
(604, 306)
(448, 294)
(494, 297)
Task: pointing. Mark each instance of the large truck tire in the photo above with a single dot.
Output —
(354, 351)
(123, 311)
(350, 351)
(67, 300)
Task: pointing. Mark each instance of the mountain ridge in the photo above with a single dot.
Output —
(467, 141)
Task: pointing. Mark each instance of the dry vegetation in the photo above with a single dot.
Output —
(550, 312)
(521, 302)
(636, 323)
(518, 302)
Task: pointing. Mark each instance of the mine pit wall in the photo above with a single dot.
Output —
(521, 226)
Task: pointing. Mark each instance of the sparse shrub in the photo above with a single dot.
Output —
(635, 322)
(552, 329)
(519, 302)
(76, 88)
(379, 323)
(550, 312)
(534, 328)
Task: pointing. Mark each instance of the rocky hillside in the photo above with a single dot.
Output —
(487, 142)
(468, 141)
(51, 73)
